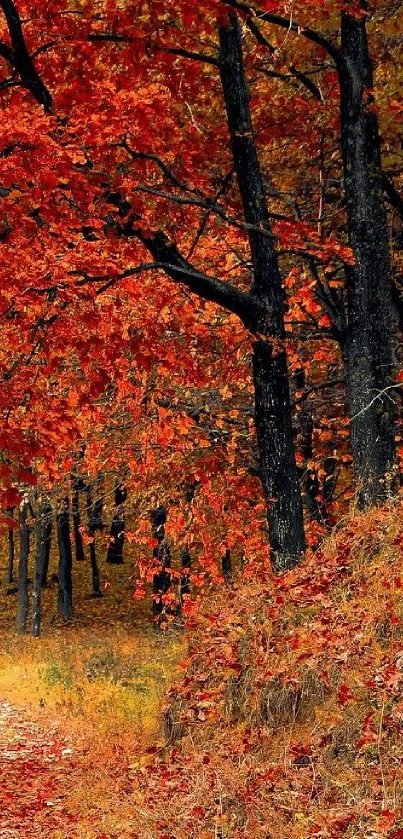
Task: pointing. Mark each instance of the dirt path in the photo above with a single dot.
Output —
(34, 766)
(55, 787)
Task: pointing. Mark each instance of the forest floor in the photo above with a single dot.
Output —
(79, 707)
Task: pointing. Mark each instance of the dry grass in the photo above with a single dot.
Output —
(107, 668)
(99, 682)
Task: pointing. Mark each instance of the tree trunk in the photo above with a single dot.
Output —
(23, 600)
(161, 561)
(272, 394)
(161, 581)
(98, 504)
(226, 565)
(11, 549)
(93, 526)
(65, 599)
(47, 540)
(42, 547)
(114, 554)
(117, 532)
(78, 542)
(368, 351)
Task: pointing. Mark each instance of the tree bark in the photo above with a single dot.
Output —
(11, 549)
(368, 350)
(42, 548)
(226, 565)
(117, 532)
(23, 600)
(114, 554)
(47, 539)
(65, 599)
(78, 542)
(272, 394)
(93, 526)
(161, 561)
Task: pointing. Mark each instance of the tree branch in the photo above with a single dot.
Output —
(7, 53)
(21, 59)
(183, 53)
(293, 72)
(245, 305)
(290, 26)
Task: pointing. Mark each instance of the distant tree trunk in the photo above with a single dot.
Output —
(11, 549)
(161, 581)
(117, 533)
(158, 522)
(368, 349)
(47, 511)
(161, 561)
(78, 542)
(23, 600)
(226, 565)
(93, 526)
(65, 599)
(272, 394)
(120, 493)
(98, 504)
(42, 548)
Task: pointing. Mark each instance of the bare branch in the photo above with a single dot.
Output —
(290, 26)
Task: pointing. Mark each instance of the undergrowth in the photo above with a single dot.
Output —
(288, 720)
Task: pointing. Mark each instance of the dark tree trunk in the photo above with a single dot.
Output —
(65, 599)
(161, 561)
(78, 542)
(43, 526)
(93, 526)
(226, 565)
(120, 494)
(309, 480)
(98, 504)
(272, 394)
(368, 351)
(11, 549)
(47, 511)
(23, 600)
(158, 522)
(117, 533)
(161, 581)
(317, 492)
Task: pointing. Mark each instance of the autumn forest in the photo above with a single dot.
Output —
(201, 300)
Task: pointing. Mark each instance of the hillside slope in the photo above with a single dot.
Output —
(288, 720)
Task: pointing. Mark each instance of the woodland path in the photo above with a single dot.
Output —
(36, 767)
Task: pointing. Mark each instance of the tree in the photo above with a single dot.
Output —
(261, 311)
(65, 593)
(368, 337)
